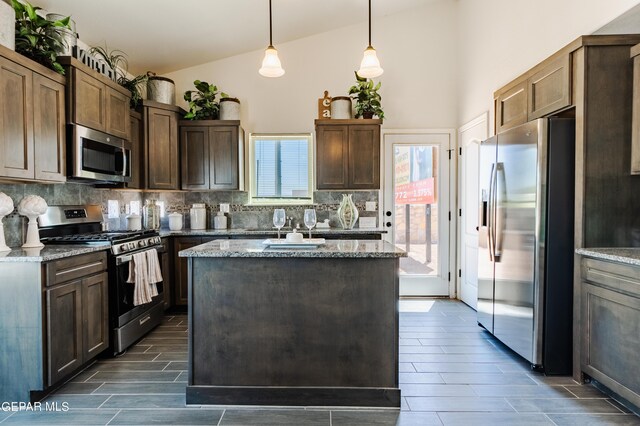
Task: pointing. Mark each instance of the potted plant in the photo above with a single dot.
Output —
(229, 108)
(117, 61)
(202, 102)
(38, 38)
(367, 98)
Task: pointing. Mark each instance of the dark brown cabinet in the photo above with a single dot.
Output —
(348, 154)
(167, 278)
(95, 101)
(32, 118)
(160, 141)
(611, 314)
(135, 137)
(635, 124)
(77, 313)
(211, 154)
(181, 277)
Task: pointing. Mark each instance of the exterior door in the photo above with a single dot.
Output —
(417, 208)
(469, 138)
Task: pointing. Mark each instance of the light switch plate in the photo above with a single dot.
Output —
(113, 209)
(367, 222)
(370, 206)
(224, 207)
(134, 207)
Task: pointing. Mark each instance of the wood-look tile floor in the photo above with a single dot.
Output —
(451, 372)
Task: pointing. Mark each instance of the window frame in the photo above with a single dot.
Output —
(258, 201)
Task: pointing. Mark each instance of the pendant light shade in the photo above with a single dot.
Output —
(370, 65)
(271, 66)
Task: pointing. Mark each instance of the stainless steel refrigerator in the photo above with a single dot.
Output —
(525, 255)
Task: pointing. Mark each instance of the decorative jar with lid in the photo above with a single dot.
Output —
(151, 215)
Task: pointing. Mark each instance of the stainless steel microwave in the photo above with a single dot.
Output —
(97, 156)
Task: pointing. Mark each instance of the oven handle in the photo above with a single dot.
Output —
(126, 258)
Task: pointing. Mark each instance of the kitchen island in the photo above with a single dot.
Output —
(305, 326)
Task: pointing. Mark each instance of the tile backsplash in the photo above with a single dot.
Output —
(241, 215)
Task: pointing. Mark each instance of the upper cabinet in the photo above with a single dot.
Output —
(348, 154)
(159, 160)
(32, 120)
(635, 126)
(96, 101)
(212, 154)
(135, 137)
(543, 90)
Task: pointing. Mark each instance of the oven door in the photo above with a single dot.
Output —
(98, 156)
(122, 307)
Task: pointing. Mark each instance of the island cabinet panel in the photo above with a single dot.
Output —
(511, 106)
(89, 101)
(211, 154)
(16, 118)
(348, 154)
(327, 336)
(64, 330)
(161, 134)
(635, 125)
(49, 129)
(549, 89)
(611, 326)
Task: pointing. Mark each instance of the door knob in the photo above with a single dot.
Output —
(388, 224)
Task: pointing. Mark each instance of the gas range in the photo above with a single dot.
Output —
(82, 225)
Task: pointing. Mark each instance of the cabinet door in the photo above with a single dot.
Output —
(16, 117)
(162, 149)
(135, 127)
(166, 279)
(95, 315)
(64, 330)
(635, 124)
(89, 100)
(511, 107)
(194, 149)
(549, 88)
(364, 157)
(223, 157)
(332, 156)
(181, 284)
(49, 129)
(117, 110)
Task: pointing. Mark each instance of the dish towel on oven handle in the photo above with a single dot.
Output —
(141, 277)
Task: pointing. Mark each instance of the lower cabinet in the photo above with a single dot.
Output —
(611, 326)
(181, 269)
(77, 322)
(167, 278)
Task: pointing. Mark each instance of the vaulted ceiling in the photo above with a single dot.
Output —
(167, 35)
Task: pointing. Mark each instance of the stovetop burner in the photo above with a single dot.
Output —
(99, 237)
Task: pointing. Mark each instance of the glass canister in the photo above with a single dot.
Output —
(151, 215)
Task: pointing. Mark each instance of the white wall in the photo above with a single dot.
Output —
(500, 39)
(417, 50)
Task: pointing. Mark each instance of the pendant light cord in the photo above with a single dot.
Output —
(271, 26)
(369, 22)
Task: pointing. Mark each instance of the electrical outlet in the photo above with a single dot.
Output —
(113, 209)
(161, 205)
(134, 207)
(370, 206)
(224, 207)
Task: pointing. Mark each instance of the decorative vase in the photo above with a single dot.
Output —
(229, 109)
(6, 207)
(341, 107)
(347, 212)
(32, 206)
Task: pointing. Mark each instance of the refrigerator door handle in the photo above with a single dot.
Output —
(490, 213)
(500, 182)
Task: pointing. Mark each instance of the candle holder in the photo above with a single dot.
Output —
(6, 207)
(32, 206)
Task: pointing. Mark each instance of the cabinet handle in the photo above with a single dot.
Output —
(145, 319)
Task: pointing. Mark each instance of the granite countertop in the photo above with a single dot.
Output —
(273, 231)
(51, 252)
(331, 249)
(627, 255)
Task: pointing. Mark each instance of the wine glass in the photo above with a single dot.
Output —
(310, 219)
(279, 218)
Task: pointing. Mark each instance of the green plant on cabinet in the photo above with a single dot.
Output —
(117, 61)
(35, 35)
(367, 98)
(202, 102)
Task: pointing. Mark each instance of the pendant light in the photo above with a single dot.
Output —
(271, 66)
(370, 65)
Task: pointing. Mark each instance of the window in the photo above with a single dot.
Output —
(280, 168)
